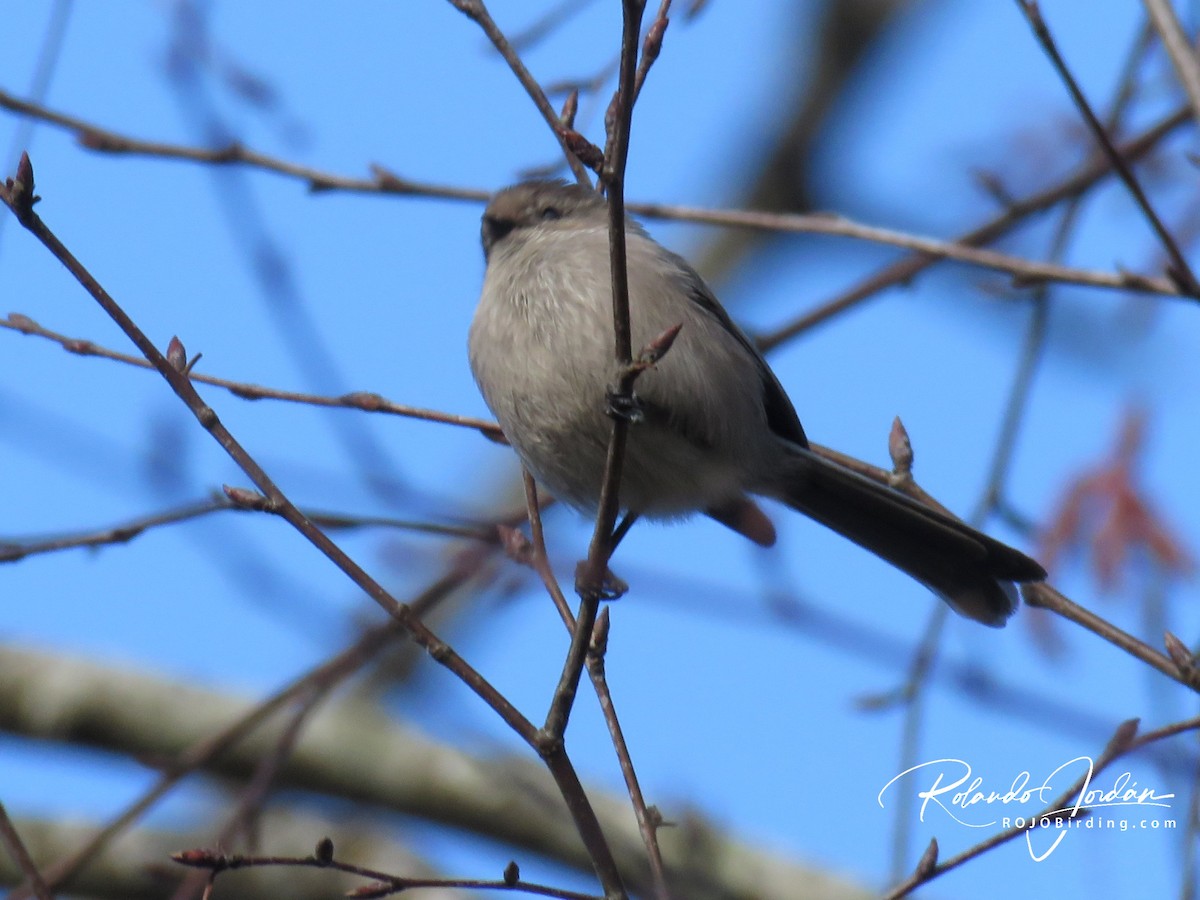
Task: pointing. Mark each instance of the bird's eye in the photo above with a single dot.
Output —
(550, 213)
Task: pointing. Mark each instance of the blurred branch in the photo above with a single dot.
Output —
(354, 751)
(829, 41)
(212, 739)
(10, 839)
(1179, 48)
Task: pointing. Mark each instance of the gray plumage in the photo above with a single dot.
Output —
(716, 427)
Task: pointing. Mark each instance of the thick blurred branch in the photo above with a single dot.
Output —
(351, 750)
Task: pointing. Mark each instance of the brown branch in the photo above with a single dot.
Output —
(539, 560)
(236, 499)
(384, 884)
(904, 270)
(18, 196)
(648, 818)
(1179, 48)
(102, 140)
(478, 13)
(1023, 271)
(362, 400)
(1179, 270)
(11, 840)
(1044, 596)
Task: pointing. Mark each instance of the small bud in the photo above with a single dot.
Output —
(177, 355)
(600, 634)
(900, 448)
(1179, 653)
(21, 188)
(323, 853)
(652, 45)
(657, 348)
(570, 107)
(364, 400)
(244, 497)
(390, 181)
(516, 546)
(24, 178)
(656, 820)
(1121, 739)
(928, 860)
(370, 891)
(589, 154)
(199, 859)
(22, 323)
(512, 873)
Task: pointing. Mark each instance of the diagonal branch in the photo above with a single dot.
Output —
(477, 12)
(1179, 270)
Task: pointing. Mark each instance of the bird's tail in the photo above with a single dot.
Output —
(969, 570)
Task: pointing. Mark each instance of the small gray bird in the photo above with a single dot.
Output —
(715, 426)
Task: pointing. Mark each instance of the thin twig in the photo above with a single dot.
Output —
(385, 884)
(102, 140)
(362, 400)
(11, 840)
(478, 13)
(648, 819)
(1179, 270)
(13, 549)
(904, 270)
(1045, 597)
(18, 196)
(1034, 342)
(1179, 48)
(1023, 271)
(592, 576)
(254, 795)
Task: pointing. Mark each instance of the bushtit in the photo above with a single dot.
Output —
(713, 426)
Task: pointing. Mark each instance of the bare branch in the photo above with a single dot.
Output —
(1179, 269)
(477, 12)
(361, 400)
(903, 271)
(1179, 48)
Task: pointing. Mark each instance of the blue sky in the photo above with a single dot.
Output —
(728, 709)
